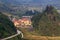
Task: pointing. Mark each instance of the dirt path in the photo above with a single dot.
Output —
(34, 37)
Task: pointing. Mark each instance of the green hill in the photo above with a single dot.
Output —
(7, 28)
(47, 23)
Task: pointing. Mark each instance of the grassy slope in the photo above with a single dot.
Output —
(35, 36)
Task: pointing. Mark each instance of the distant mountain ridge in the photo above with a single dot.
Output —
(10, 5)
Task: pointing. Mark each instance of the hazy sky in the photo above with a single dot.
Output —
(40, 2)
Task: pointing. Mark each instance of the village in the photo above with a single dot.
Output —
(24, 22)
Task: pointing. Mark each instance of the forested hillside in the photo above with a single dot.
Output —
(48, 22)
(7, 28)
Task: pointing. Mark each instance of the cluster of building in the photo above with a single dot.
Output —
(24, 22)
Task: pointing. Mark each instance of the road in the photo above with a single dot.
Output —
(18, 33)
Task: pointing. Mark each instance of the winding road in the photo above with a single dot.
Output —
(18, 33)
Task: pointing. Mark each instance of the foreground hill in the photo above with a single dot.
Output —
(47, 23)
(7, 28)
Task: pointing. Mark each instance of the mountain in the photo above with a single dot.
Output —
(47, 23)
(21, 6)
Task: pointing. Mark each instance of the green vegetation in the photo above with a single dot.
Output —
(48, 22)
(7, 28)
